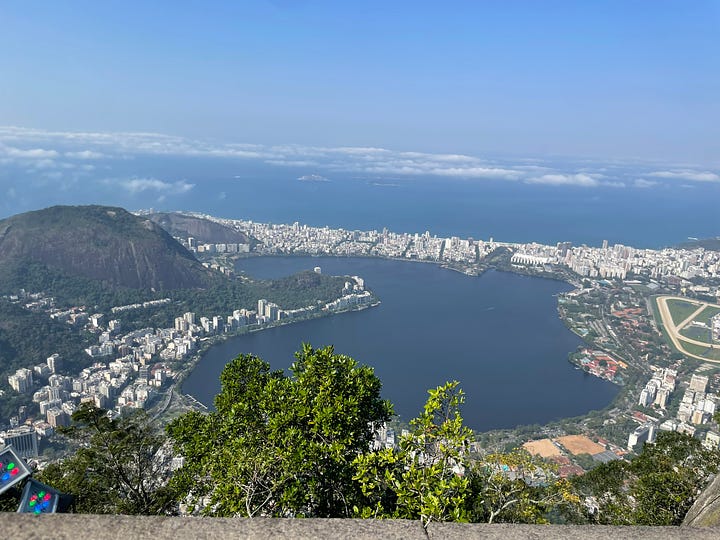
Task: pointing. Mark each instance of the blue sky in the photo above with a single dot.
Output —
(607, 80)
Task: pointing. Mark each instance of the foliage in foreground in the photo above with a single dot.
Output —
(432, 477)
(277, 445)
(118, 467)
(300, 446)
(658, 487)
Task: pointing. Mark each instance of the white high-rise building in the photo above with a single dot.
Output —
(23, 440)
(641, 435)
(21, 381)
(662, 397)
(54, 362)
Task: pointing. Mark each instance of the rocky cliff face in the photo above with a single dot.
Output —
(102, 243)
(203, 230)
(706, 510)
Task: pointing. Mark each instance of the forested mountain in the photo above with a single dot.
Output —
(100, 243)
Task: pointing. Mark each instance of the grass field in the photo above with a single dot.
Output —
(695, 332)
(705, 352)
(681, 310)
(707, 314)
(699, 333)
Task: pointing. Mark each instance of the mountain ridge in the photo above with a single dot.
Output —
(203, 230)
(103, 243)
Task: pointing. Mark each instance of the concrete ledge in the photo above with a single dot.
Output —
(74, 526)
(565, 532)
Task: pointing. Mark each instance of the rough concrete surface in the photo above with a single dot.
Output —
(565, 532)
(76, 526)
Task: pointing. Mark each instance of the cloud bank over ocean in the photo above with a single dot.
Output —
(66, 160)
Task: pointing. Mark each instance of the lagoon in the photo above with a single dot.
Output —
(498, 334)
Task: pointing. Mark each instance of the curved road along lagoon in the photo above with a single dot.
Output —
(498, 334)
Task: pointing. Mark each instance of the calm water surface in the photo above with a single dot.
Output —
(498, 334)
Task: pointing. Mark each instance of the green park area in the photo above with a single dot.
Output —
(708, 313)
(694, 340)
(696, 332)
(681, 309)
(701, 333)
(699, 350)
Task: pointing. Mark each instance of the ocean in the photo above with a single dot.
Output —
(662, 215)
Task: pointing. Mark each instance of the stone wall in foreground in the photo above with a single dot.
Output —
(75, 526)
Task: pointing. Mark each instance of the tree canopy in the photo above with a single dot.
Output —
(302, 445)
(279, 445)
(119, 466)
(657, 487)
(432, 476)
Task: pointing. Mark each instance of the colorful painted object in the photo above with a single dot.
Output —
(12, 469)
(37, 498)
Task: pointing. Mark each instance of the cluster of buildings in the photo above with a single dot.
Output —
(384, 437)
(124, 383)
(149, 303)
(130, 367)
(302, 239)
(715, 327)
(696, 408)
(600, 364)
(192, 245)
(658, 389)
(618, 261)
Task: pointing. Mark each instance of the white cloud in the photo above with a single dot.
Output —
(477, 172)
(139, 185)
(313, 178)
(292, 163)
(642, 183)
(688, 174)
(44, 164)
(36, 149)
(583, 180)
(85, 154)
(27, 153)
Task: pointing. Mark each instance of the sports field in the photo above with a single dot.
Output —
(677, 316)
(580, 444)
(681, 309)
(543, 448)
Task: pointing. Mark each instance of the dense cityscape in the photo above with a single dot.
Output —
(610, 308)
(617, 261)
(435, 270)
(653, 270)
(143, 362)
